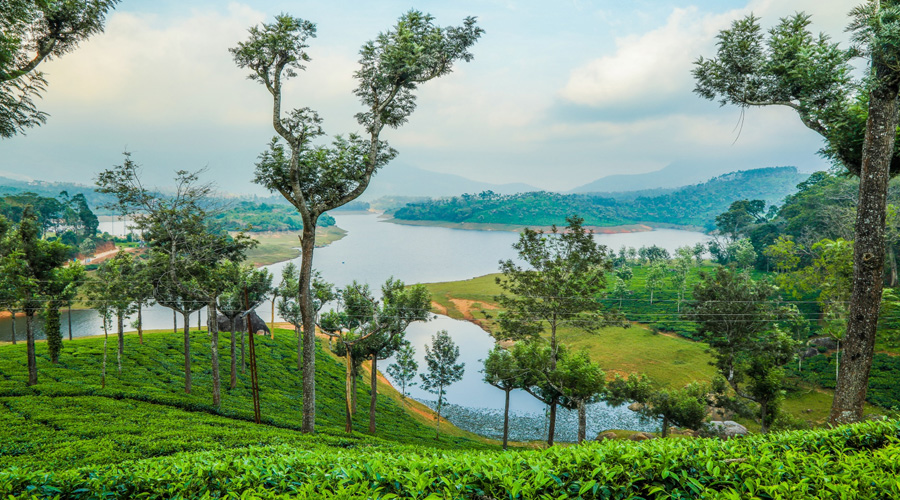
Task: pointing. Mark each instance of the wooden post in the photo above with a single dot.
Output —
(254, 381)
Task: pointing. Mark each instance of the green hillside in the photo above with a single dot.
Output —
(695, 206)
(67, 420)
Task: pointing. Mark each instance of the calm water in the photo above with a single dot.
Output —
(373, 251)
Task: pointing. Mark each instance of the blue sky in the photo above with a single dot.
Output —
(559, 93)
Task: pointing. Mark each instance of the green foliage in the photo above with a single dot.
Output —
(252, 216)
(883, 389)
(858, 461)
(685, 407)
(403, 371)
(442, 369)
(688, 206)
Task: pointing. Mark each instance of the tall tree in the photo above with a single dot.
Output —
(62, 287)
(746, 328)
(30, 33)
(581, 382)
(314, 178)
(289, 305)
(39, 260)
(443, 370)
(564, 277)
(111, 287)
(141, 293)
(859, 122)
(244, 282)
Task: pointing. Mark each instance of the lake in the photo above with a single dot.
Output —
(375, 250)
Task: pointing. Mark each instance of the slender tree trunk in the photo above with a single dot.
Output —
(299, 330)
(214, 351)
(309, 329)
(506, 420)
(892, 254)
(233, 354)
(665, 427)
(582, 421)
(437, 428)
(763, 414)
(374, 394)
(29, 340)
(174, 321)
(103, 364)
(837, 361)
(121, 334)
(254, 381)
(272, 324)
(69, 316)
(199, 320)
(13, 327)
(353, 377)
(243, 358)
(187, 353)
(551, 431)
(140, 323)
(348, 428)
(868, 250)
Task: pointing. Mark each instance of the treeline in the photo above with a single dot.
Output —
(264, 217)
(696, 205)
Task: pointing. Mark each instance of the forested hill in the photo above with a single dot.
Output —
(695, 205)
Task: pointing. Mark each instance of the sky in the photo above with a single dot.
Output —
(558, 94)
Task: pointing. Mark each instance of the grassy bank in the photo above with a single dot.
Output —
(280, 246)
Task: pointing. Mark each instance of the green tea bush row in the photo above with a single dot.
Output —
(859, 461)
(884, 389)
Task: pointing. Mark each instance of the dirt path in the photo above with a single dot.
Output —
(437, 308)
(465, 307)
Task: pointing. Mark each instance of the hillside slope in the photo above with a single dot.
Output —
(69, 409)
(695, 206)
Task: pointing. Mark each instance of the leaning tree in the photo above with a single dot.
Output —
(858, 119)
(317, 178)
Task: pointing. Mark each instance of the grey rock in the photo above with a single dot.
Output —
(810, 352)
(726, 429)
(256, 323)
(826, 342)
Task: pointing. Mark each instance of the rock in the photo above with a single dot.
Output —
(824, 342)
(603, 436)
(727, 429)
(810, 352)
(640, 436)
(256, 323)
(635, 407)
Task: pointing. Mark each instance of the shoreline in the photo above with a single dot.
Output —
(518, 228)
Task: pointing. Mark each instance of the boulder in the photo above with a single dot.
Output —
(810, 352)
(639, 436)
(824, 342)
(256, 323)
(603, 436)
(727, 429)
(635, 407)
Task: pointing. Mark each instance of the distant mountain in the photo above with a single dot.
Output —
(695, 205)
(405, 180)
(673, 175)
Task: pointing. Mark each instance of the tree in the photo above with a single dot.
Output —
(564, 278)
(38, 261)
(243, 282)
(685, 407)
(656, 277)
(859, 122)
(185, 247)
(580, 382)
(142, 293)
(289, 305)
(31, 32)
(440, 360)
(745, 328)
(369, 329)
(62, 287)
(502, 371)
(11, 272)
(316, 179)
(405, 368)
(681, 267)
(110, 290)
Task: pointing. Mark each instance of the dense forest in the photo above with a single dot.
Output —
(696, 205)
(245, 215)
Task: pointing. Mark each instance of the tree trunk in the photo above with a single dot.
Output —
(200, 320)
(243, 358)
(582, 421)
(29, 339)
(348, 428)
(140, 324)
(551, 431)
(309, 330)
(174, 321)
(868, 251)
(233, 355)
(13, 327)
(121, 335)
(892, 254)
(105, 344)
(665, 427)
(506, 420)
(69, 316)
(374, 394)
(299, 330)
(353, 377)
(437, 428)
(763, 417)
(272, 324)
(214, 351)
(187, 353)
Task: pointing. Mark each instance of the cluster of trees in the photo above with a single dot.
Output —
(264, 217)
(687, 206)
(69, 219)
